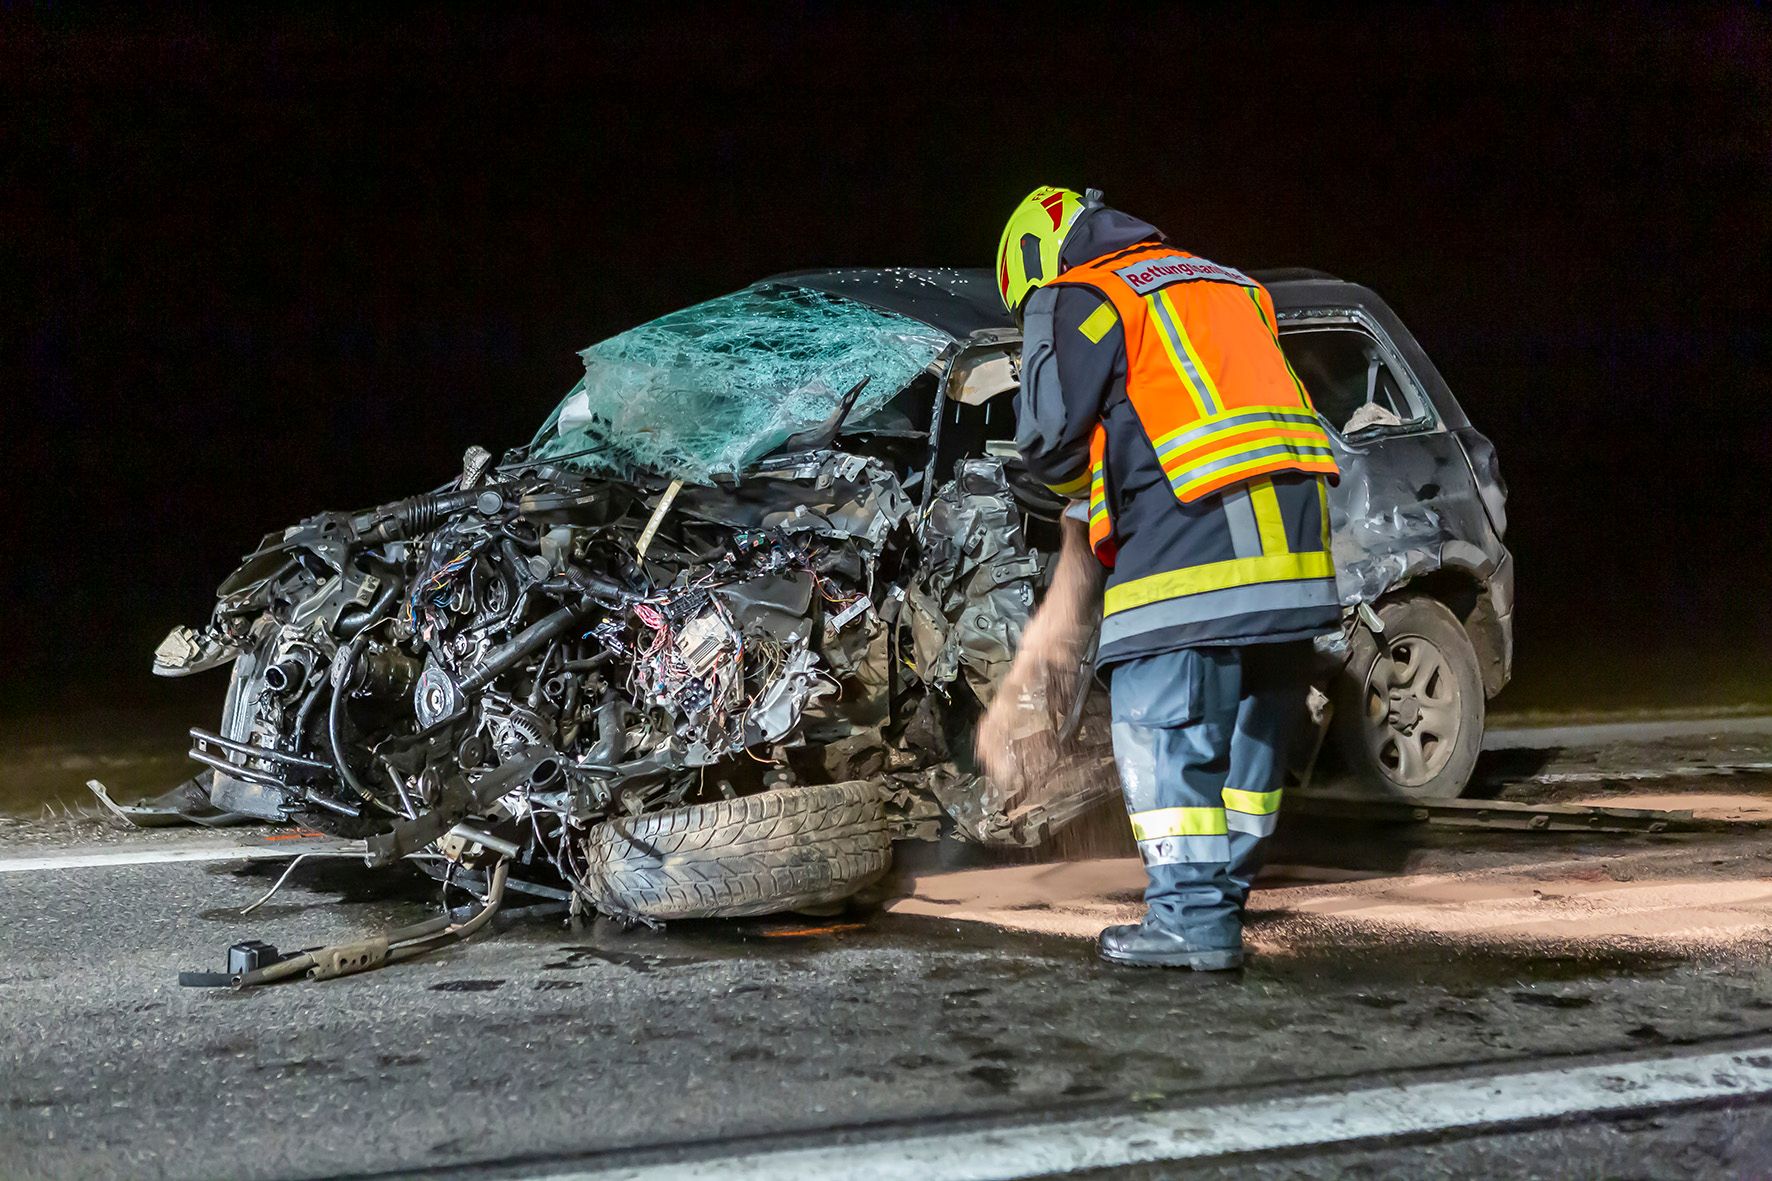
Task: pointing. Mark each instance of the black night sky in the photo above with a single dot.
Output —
(268, 263)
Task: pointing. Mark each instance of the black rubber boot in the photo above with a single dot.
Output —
(1144, 946)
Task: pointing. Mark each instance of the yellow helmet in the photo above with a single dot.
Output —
(1027, 256)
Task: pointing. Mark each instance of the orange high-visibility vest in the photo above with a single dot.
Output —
(1205, 376)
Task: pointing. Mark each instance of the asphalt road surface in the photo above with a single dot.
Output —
(1398, 1020)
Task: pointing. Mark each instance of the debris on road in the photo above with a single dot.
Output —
(1669, 897)
(187, 803)
(1717, 806)
(1655, 814)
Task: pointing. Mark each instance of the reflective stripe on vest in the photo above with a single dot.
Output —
(1101, 520)
(1204, 374)
(1248, 583)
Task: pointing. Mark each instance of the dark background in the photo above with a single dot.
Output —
(273, 263)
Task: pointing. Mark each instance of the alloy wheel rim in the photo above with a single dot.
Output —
(1411, 715)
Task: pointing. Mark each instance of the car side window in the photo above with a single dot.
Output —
(1351, 382)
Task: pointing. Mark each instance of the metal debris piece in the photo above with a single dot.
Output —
(348, 959)
(186, 803)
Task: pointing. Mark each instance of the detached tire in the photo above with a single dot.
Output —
(779, 850)
(1409, 710)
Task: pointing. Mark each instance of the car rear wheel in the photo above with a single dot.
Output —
(789, 849)
(1409, 705)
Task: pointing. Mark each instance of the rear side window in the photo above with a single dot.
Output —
(1350, 381)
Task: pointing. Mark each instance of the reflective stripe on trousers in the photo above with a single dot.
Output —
(1201, 738)
(1253, 812)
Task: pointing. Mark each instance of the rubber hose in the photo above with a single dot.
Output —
(307, 711)
(352, 623)
(342, 670)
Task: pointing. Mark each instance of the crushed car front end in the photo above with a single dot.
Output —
(707, 577)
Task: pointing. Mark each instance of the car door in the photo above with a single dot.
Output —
(1406, 502)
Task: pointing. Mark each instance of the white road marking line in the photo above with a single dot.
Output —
(1600, 733)
(1009, 1152)
(1714, 770)
(97, 858)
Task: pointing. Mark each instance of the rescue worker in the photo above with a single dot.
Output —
(1153, 386)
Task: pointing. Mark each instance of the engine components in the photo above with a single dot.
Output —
(535, 651)
(437, 697)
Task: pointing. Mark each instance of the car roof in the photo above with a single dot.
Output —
(1300, 288)
(963, 300)
(1286, 276)
(957, 300)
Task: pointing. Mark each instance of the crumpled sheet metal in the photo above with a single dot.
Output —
(1078, 784)
(775, 606)
(835, 496)
(829, 494)
(775, 714)
(708, 390)
(969, 614)
(1384, 535)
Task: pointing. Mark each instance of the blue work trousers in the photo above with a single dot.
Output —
(1201, 737)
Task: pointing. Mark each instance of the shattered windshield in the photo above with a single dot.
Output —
(710, 389)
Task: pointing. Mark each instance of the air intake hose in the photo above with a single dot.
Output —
(402, 519)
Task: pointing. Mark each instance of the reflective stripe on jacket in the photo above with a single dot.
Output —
(1245, 565)
(1204, 374)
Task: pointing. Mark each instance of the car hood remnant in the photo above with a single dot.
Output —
(706, 391)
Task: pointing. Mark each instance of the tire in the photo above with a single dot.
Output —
(780, 850)
(1417, 734)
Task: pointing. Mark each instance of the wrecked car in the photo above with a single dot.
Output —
(719, 632)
